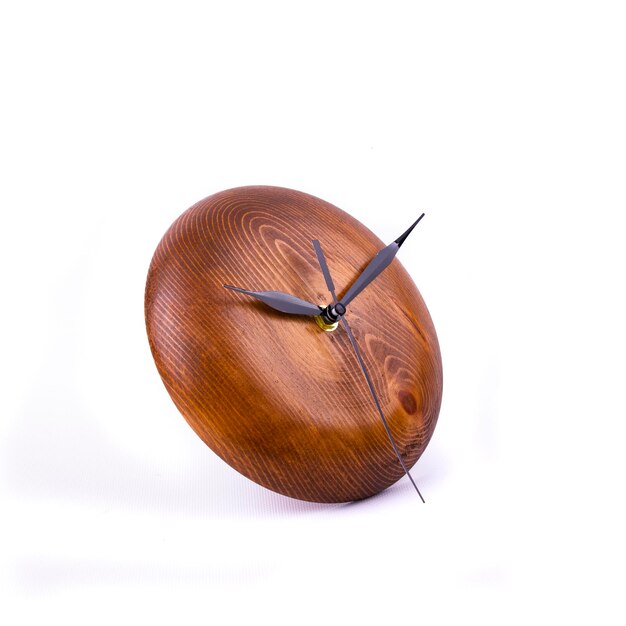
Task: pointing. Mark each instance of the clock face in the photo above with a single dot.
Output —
(278, 398)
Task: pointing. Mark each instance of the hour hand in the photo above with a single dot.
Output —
(284, 302)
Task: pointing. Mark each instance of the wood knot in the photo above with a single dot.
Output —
(408, 402)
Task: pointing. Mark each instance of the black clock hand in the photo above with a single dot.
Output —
(352, 339)
(377, 265)
(322, 261)
(280, 301)
(329, 283)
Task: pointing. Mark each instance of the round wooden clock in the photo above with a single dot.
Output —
(294, 343)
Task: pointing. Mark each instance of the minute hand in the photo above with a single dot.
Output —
(377, 265)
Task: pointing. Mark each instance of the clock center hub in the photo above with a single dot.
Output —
(328, 319)
(333, 312)
(319, 320)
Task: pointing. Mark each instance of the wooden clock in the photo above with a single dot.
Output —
(294, 344)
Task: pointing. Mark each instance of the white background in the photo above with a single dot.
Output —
(504, 122)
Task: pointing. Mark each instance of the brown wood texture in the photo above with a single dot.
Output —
(276, 397)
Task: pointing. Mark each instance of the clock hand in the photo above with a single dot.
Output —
(331, 287)
(322, 261)
(331, 314)
(352, 339)
(282, 301)
(377, 265)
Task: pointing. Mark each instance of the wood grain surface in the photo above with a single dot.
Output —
(276, 397)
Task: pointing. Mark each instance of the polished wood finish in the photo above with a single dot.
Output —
(279, 399)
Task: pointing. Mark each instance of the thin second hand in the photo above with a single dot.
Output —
(325, 270)
(355, 345)
(331, 287)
